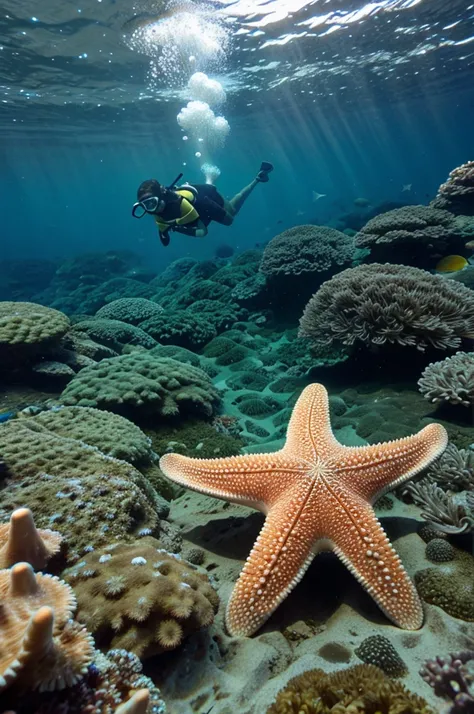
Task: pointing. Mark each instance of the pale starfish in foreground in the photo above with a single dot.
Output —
(317, 495)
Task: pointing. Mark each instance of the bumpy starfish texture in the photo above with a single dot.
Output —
(317, 495)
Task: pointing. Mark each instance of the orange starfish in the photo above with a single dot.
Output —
(317, 495)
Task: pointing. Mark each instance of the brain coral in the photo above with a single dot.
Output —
(395, 304)
(26, 329)
(451, 380)
(413, 235)
(450, 586)
(41, 648)
(364, 689)
(438, 550)
(457, 194)
(140, 597)
(131, 310)
(307, 250)
(221, 316)
(112, 434)
(140, 381)
(114, 334)
(180, 327)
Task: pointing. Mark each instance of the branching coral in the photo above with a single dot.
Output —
(439, 509)
(144, 383)
(454, 470)
(451, 380)
(364, 689)
(140, 597)
(452, 678)
(40, 646)
(413, 235)
(21, 541)
(389, 304)
(457, 193)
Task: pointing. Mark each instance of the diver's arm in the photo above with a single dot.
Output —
(197, 230)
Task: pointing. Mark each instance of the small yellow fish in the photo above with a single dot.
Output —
(451, 264)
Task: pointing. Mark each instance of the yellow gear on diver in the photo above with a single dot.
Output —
(188, 212)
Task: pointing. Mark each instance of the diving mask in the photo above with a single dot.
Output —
(152, 205)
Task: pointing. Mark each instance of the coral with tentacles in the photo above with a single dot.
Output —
(364, 689)
(41, 647)
(21, 541)
(140, 597)
(389, 305)
(451, 380)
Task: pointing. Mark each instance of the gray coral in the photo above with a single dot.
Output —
(442, 511)
(307, 250)
(413, 235)
(454, 470)
(389, 304)
(379, 651)
(450, 380)
(457, 193)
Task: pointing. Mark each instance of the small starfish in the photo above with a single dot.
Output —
(317, 495)
(407, 187)
(317, 196)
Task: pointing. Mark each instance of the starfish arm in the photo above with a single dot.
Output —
(370, 471)
(309, 430)
(281, 555)
(254, 480)
(360, 542)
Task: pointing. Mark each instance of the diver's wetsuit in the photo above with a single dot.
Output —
(208, 203)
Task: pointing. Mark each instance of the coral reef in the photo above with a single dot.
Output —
(307, 250)
(180, 327)
(27, 330)
(40, 646)
(451, 380)
(438, 550)
(114, 333)
(452, 677)
(111, 433)
(450, 586)
(454, 470)
(143, 383)
(140, 597)
(21, 541)
(389, 305)
(131, 310)
(457, 193)
(440, 510)
(364, 689)
(413, 235)
(379, 651)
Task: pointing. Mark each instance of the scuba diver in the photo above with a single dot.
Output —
(190, 208)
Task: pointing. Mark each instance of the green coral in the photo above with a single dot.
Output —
(27, 329)
(236, 354)
(181, 328)
(131, 310)
(114, 333)
(218, 346)
(254, 405)
(143, 383)
(248, 380)
(112, 434)
(194, 438)
(221, 316)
